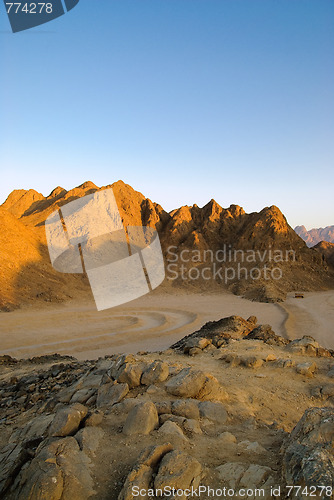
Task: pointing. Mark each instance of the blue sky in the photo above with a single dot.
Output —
(186, 100)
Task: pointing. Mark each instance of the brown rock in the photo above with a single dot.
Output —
(67, 420)
(156, 372)
(110, 394)
(142, 419)
(178, 470)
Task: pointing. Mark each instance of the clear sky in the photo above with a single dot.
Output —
(186, 100)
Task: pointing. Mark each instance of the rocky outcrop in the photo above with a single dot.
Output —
(308, 458)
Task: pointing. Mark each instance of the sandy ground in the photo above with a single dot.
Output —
(152, 323)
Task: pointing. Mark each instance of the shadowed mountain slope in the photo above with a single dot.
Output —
(27, 275)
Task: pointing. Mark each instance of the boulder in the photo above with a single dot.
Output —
(12, 457)
(267, 335)
(227, 438)
(156, 372)
(142, 419)
(59, 471)
(110, 394)
(307, 369)
(141, 475)
(67, 420)
(130, 374)
(172, 430)
(89, 439)
(152, 455)
(117, 363)
(308, 346)
(255, 476)
(94, 419)
(178, 470)
(139, 479)
(187, 383)
(214, 411)
(187, 408)
(308, 456)
(190, 383)
(231, 472)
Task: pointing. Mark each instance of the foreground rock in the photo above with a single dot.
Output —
(309, 450)
(71, 429)
(59, 471)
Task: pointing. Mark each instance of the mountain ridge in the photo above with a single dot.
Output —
(210, 227)
(316, 235)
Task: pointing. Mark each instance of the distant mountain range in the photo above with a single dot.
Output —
(314, 236)
(26, 274)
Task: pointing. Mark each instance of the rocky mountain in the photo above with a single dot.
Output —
(257, 255)
(327, 251)
(206, 412)
(314, 236)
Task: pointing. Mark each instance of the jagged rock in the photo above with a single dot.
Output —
(59, 471)
(35, 430)
(82, 396)
(117, 363)
(239, 475)
(67, 420)
(156, 372)
(218, 331)
(307, 346)
(308, 452)
(7, 360)
(187, 408)
(267, 335)
(89, 439)
(172, 430)
(198, 343)
(110, 394)
(141, 475)
(94, 419)
(213, 411)
(142, 419)
(139, 479)
(284, 363)
(12, 458)
(178, 470)
(152, 455)
(307, 369)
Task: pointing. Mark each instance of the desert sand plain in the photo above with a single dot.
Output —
(153, 322)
